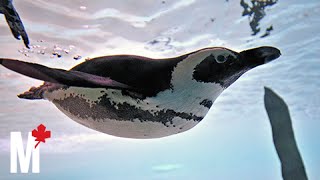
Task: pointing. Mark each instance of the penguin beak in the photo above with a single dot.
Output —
(261, 55)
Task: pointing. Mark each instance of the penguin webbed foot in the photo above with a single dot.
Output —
(37, 92)
(32, 93)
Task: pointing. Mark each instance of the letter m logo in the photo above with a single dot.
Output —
(17, 152)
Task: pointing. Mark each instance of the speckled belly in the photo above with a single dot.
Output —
(111, 112)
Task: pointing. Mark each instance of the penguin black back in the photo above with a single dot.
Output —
(150, 75)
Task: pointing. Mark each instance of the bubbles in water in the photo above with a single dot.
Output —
(77, 57)
(56, 51)
(57, 54)
(41, 52)
(66, 51)
(83, 8)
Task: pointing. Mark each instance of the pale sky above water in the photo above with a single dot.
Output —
(234, 141)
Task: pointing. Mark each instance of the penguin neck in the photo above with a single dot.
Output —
(183, 80)
(187, 94)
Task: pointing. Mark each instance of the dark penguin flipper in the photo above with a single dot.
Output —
(14, 21)
(283, 137)
(60, 76)
(17, 29)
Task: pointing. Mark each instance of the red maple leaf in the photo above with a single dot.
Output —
(41, 134)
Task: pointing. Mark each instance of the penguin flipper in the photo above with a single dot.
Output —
(60, 76)
(15, 24)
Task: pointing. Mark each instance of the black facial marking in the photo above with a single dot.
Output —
(212, 70)
(206, 103)
(104, 109)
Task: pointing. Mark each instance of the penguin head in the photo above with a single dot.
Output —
(224, 66)
(258, 56)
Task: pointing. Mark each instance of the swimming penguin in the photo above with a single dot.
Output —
(14, 21)
(139, 97)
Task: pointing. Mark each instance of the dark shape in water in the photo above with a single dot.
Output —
(283, 137)
(256, 13)
(14, 21)
(160, 44)
(267, 33)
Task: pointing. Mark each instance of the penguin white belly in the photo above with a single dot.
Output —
(111, 112)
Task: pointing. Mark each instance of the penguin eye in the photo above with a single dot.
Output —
(221, 59)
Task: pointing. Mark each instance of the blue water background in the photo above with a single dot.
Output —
(234, 141)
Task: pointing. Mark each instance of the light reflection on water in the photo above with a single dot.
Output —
(157, 29)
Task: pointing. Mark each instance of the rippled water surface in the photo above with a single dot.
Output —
(234, 141)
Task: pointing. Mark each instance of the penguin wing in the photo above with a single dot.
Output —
(15, 23)
(60, 76)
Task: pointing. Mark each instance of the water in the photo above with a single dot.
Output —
(233, 142)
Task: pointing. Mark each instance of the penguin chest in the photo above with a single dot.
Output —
(115, 113)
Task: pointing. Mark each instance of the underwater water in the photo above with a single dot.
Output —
(234, 141)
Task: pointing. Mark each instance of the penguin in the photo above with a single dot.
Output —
(14, 21)
(139, 97)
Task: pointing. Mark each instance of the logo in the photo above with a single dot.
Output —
(32, 150)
